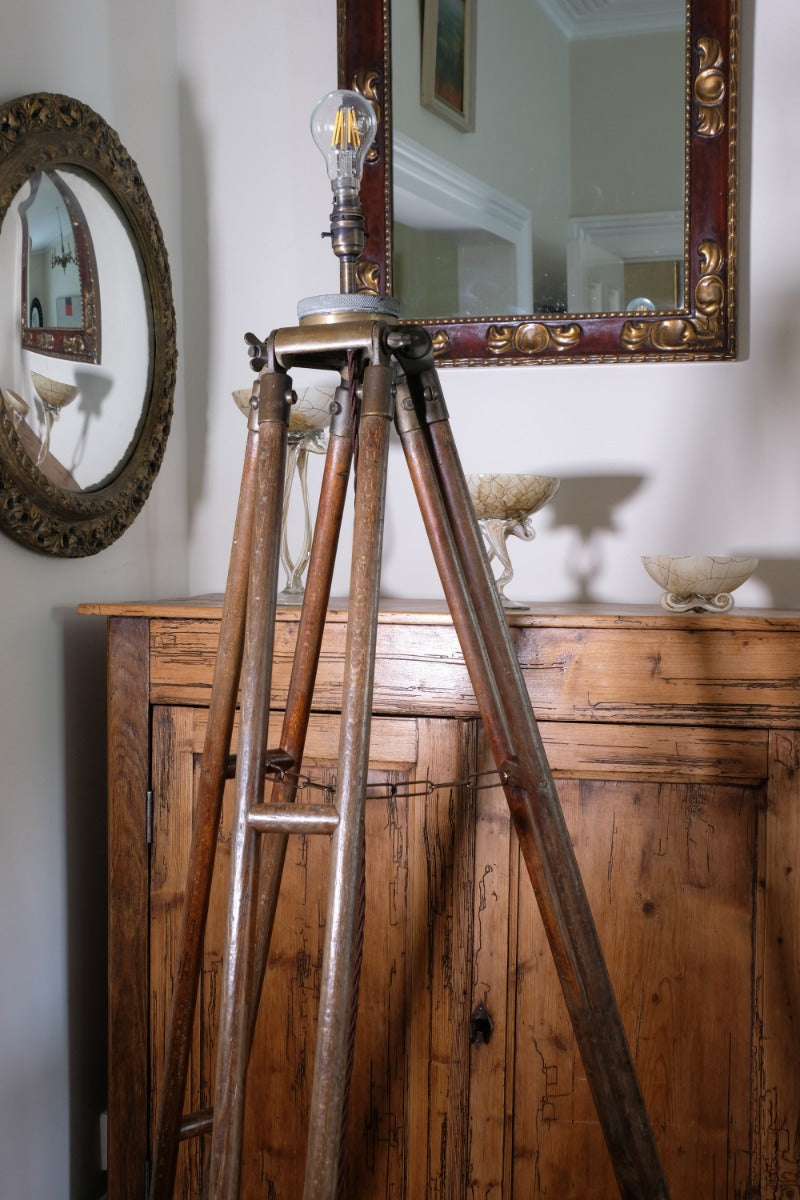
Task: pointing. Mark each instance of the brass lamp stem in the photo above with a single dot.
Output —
(347, 235)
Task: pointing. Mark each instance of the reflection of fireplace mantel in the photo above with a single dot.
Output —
(675, 743)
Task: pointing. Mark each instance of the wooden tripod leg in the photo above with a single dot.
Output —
(233, 1036)
(339, 964)
(535, 809)
(205, 827)
(333, 493)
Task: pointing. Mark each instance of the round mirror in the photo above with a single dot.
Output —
(87, 346)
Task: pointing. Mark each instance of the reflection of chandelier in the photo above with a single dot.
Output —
(66, 256)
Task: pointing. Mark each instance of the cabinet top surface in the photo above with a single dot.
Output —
(435, 612)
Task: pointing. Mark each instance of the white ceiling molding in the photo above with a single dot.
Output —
(581, 19)
(635, 237)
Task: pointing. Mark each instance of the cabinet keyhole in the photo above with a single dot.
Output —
(480, 1026)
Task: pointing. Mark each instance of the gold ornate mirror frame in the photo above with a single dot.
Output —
(40, 132)
(704, 328)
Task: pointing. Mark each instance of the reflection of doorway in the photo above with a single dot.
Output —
(613, 260)
(479, 239)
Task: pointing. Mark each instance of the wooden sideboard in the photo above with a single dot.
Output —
(675, 742)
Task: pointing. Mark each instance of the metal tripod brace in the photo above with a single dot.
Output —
(390, 376)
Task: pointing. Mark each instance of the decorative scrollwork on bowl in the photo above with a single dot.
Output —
(721, 603)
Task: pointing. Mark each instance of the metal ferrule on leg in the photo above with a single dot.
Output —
(329, 1093)
(233, 1042)
(531, 793)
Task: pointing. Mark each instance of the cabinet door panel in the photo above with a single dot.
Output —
(409, 1085)
(669, 869)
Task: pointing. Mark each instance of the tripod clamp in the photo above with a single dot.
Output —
(272, 392)
(419, 394)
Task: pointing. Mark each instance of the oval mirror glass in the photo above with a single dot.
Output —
(87, 348)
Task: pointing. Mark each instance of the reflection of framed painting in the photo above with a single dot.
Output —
(448, 60)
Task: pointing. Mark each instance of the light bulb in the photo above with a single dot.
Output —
(344, 126)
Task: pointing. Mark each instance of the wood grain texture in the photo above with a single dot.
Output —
(439, 983)
(693, 676)
(676, 749)
(777, 1048)
(435, 612)
(413, 988)
(491, 1112)
(669, 872)
(128, 781)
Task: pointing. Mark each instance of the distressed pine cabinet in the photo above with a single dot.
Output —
(675, 742)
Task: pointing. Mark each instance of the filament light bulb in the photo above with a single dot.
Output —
(344, 126)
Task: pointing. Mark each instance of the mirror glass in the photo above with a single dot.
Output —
(555, 180)
(587, 212)
(87, 335)
(80, 417)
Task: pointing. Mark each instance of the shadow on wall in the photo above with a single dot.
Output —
(84, 734)
(196, 282)
(94, 390)
(781, 577)
(588, 504)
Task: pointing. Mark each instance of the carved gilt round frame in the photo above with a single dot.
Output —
(38, 132)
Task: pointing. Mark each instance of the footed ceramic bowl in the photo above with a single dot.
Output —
(510, 497)
(18, 407)
(504, 505)
(698, 582)
(53, 392)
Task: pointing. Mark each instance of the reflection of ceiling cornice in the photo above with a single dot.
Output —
(579, 19)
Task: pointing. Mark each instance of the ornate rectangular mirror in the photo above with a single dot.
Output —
(592, 220)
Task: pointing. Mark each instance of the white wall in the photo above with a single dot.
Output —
(654, 458)
(119, 59)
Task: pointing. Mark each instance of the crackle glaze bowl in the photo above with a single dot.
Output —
(52, 392)
(18, 407)
(698, 582)
(504, 505)
(310, 413)
(510, 497)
